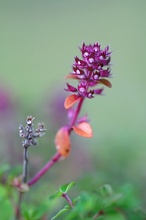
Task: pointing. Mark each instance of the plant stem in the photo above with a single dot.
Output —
(24, 180)
(78, 109)
(64, 195)
(41, 172)
(98, 214)
(25, 164)
(18, 208)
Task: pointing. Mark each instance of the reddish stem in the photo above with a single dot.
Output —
(64, 195)
(41, 172)
(76, 113)
(18, 208)
(98, 214)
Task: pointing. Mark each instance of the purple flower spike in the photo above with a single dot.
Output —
(91, 70)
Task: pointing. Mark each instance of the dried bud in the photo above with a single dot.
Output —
(29, 120)
(29, 133)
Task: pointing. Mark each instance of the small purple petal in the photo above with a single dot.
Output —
(79, 62)
(98, 91)
(82, 88)
(70, 88)
(78, 71)
(105, 73)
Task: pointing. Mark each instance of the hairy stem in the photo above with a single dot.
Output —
(64, 195)
(41, 172)
(25, 164)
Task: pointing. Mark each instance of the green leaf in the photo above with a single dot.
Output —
(84, 204)
(39, 212)
(26, 216)
(75, 200)
(66, 187)
(55, 195)
(62, 211)
(107, 190)
(35, 212)
(112, 200)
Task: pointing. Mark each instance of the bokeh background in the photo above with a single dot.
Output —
(38, 42)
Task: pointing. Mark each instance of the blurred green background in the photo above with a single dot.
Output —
(38, 42)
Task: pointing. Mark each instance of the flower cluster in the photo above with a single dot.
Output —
(90, 71)
(29, 133)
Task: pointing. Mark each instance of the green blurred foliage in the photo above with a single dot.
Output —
(99, 201)
(103, 203)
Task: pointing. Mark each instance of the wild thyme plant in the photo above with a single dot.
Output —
(91, 72)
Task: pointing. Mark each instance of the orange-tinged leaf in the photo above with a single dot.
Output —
(83, 129)
(62, 141)
(71, 100)
(71, 77)
(105, 82)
